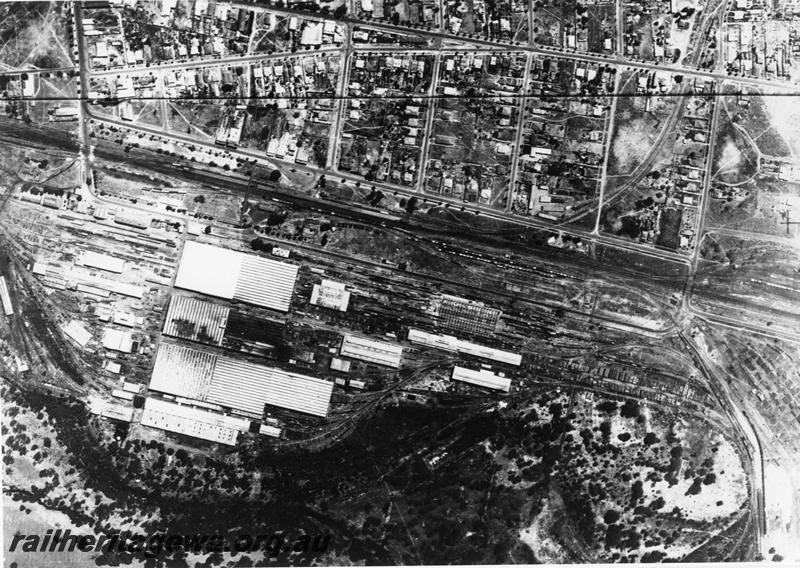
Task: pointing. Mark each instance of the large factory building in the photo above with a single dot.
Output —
(239, 385)
(233, 275)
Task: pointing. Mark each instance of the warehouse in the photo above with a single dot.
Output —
(8, 309)
(101, 261)
(195, 320)
(248, 387)
(474, 318)
(117, 340)
(108, 409)
(233, 275)
(452, 343)
(482, 378)
(77, 332)
(128, 319)
(192, 422)
(113, 286)
(378, 352)
(182, 371)
(330, 294)
(240, 385)
(272, 431)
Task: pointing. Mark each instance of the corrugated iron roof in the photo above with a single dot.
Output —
(248, 387)
(266, 282)
(196, 320)
(236, 276)
(182, 371)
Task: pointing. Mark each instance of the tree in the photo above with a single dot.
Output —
(340, 12)
(207, 230)
(275, 176)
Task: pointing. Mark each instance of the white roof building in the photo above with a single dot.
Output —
(330, 294)
(128, 319)
(8, 309)
(117, 340)
(372, 351)
(234, 275)
(102, 261)
(77, 332)
(248, 387)
(482, 378)
(123, 394)
(267, 430)
(236, 384)
(182, 371)
(193, 422)
(452, 343)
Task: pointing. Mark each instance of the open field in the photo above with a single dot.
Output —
(33, 35)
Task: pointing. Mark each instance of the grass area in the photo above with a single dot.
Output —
(198, 119)
(33, 35)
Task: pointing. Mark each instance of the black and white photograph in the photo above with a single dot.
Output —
(294, 283)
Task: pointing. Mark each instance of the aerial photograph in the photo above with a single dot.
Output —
(399, 282)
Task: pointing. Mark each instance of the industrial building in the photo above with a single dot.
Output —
(236, 384)
(127, 319)
(341, 365)
(8, 309)
(182, 371)
(267, 430)
(452, 343)
(108, 409)
(117, 340)
(482, 378)
(474, 318)
(113, 286)
(123, 394)
(196, 320)
(77, 332)
(193, 422)
(330, 294)
(233, 275)
(247, 387)
(378, 352)
(102, 262)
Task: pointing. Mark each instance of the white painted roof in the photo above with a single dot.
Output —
(482, 378)
(452, 343)
(237, 384)
(234, 275)
(248, 387)
(182, 371)
(193, 422)
(370, 350)
(102, 261)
